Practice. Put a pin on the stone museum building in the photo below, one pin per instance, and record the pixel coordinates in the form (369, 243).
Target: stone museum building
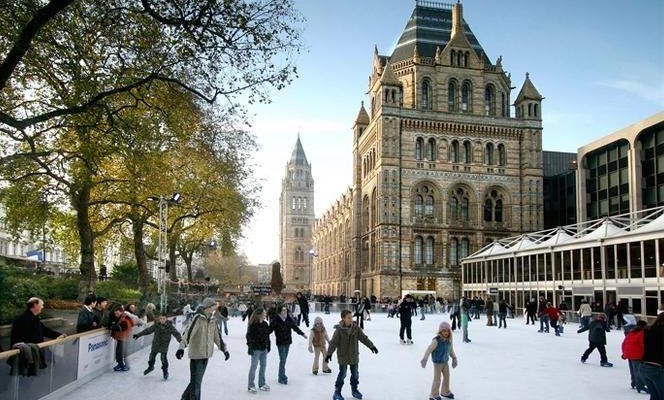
(442, 165)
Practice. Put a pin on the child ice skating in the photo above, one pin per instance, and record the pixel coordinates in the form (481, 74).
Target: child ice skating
(597, 339)
(163, 329)
(441, 350)
(317, 340)
(346, 337)
(258, 342)
(465, 319)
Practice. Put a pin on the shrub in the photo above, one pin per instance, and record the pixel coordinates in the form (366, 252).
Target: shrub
(126, 273)
(61, 288)
(117, 291)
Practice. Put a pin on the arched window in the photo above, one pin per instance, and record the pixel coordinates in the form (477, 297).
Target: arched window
(465, 59)
(452, 57)
(452, 96)
(428, 251)
(426, 94)
(454, 208)
(465, 247)
(465, 210)
(431, 149)
(459, 58)
(502, 157)
(535, 110)
(488, 210)
(489, 99)
(418, 250)
(293, 203)
(530, 110)
(503, 105)
(418, 148)
(467, 153)
(454, 248)
(428, 206)
(419, 201)
(454, 152)
(488, 154)
(499, 211)
(465, 97)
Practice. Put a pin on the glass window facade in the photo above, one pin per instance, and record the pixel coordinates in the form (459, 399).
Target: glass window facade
(607, 181)
(652, 166)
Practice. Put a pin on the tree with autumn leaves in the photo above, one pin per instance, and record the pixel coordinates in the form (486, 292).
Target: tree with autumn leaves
(106, 103)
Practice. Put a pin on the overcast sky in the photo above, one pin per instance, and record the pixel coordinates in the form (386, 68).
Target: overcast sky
(599, 65)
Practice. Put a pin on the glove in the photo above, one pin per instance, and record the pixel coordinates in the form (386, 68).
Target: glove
(227, 355)
(454, 363)
(311, 349)
(134, 336)
(374, 350)
(179, 354)
(423, 363)
(328, 358)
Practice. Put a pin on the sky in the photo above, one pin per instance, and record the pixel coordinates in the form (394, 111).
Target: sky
(599, 65)
(493, 366)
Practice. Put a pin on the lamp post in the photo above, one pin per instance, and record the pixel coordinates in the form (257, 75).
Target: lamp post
(162, 247)
(312, 254)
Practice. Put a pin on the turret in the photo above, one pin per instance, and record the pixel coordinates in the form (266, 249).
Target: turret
(529, 101)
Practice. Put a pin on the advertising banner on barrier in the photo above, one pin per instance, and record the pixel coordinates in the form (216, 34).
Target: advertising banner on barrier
(95, 352)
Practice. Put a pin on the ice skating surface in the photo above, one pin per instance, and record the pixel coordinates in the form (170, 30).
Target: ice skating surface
(517, 362)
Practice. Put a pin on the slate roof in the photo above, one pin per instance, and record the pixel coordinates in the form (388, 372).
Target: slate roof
(298, 157)
(429, 27)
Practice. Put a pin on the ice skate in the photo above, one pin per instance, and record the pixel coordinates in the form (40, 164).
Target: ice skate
(606, 364)
(149, 369)
(337, 395)
(356, 394)
(265, 388)
(252, 389)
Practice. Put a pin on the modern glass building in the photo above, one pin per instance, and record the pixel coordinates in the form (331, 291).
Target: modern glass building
(616, 250)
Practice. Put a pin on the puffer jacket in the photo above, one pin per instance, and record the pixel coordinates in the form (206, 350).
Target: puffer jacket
(596, 331)
(632, 345)
(162, 335)
(201, 335)
(346, 341)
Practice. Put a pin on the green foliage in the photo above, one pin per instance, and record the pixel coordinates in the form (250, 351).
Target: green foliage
(65, 288)
(118, 291)
(126, 273)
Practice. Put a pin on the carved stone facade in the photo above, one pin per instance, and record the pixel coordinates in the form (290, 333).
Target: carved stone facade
(296, 218)
(441, 167)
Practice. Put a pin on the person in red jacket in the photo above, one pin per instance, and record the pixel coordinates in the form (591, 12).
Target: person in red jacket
(632, 351)
(121, 331)
(554, 317)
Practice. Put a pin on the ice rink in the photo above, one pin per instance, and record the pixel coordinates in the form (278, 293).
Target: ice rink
(517, 362)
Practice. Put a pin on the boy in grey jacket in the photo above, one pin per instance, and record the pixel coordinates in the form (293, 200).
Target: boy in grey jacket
(345, 339)
(163, 329)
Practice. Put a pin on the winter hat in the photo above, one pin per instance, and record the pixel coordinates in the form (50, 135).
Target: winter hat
(208, 302)
(444, 325)
(629, 319)
(318, 320)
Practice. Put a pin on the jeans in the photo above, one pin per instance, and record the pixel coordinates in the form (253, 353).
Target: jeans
(196, 372)
(530, 317)
(585, 321)
(257, 356)
(405, 326)
(354, 376)
(635, 374)
(283, 355)
(422, 312)
(164, 359)
(544, 323)
(120, 352)
(501, 321)
(599, 347)
(464, 328)
(304, 316)
(653, 377)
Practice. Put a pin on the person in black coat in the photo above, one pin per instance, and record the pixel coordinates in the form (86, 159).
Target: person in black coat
(258, 343)
(28, 328)
(597, 339)
(86, 318)
(405, 317)
(282, 326)
(531, 311)
(304, 309)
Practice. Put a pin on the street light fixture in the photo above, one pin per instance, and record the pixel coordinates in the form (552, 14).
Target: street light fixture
(162, 244)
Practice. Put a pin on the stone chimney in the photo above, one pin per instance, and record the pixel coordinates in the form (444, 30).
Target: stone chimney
(457, 19)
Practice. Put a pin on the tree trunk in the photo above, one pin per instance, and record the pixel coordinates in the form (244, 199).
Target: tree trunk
(81, 203)
(138, 225)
